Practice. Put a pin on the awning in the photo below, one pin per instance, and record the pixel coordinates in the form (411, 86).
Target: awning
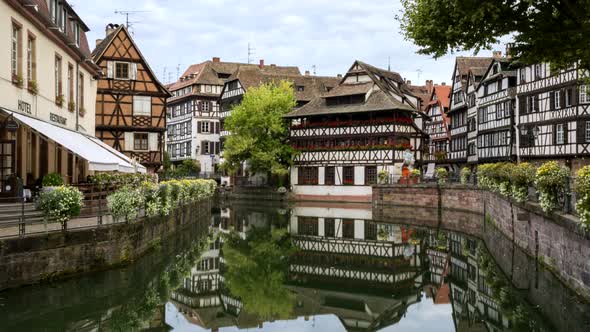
(99, 155)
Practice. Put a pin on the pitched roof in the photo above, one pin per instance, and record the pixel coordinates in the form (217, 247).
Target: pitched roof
(443, 94)
(102, 46)
(422, 92)
(466, 63)
(217, 72)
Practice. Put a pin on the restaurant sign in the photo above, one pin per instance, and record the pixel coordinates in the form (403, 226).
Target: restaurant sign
(57, 119)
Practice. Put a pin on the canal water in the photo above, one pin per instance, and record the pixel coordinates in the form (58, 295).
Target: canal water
(312, 267)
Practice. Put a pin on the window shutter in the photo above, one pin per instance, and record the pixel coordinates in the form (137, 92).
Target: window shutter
(128, 141)
(581, 132)
(133, 73)
(110, 69)
(575, 95)
(562, 97)
(211, 147)
(217, 127)
(522, 105)
(198, 126)
(537, 104)
(203, 146)
(552, 100)
(153, 141)
(216, 147)
(554, 134)
(565, 133)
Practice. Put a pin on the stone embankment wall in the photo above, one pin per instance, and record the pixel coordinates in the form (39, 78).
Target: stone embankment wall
(555, 240)
(59, 255)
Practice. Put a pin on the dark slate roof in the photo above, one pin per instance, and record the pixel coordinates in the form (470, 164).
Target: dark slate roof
(102, 46)
(464, 64)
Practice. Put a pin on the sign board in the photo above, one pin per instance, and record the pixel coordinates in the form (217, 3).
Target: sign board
(57, 119)
(11, 125)
(24, 107)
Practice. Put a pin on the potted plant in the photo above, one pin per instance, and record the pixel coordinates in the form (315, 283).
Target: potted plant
(415, 175)
(82, 111)
(442, 175)
(71, 106)
(33, 87)
(383, 177)
(465, 175)
(51, 181)
(59, 100)
(61, 204)
(18, 80)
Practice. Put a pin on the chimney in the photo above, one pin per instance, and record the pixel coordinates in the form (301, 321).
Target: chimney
(509, 47)
(216, 59)
(429, 86)
(111, 28)
(307, 73)
(443, 83)
(261, 65)
(408, 82)
(273, 65)
(497, 54)
(339, 75)
(98, 41)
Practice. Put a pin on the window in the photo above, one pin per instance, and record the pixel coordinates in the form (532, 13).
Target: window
(300, 88)
(31, 62)
(522, 75)
(122, 70)
(81, 94)
(370, 175)
(559, 134)
(76, 32)
(205, 147)
(584, 94)
(587, 131)
(140, 141)
(569, 96)
(537, 71)
(348, 228)
(556, 100)
(205, 126)
(15, 54)
(532, 104)
(70, 96)
(307, 226)
(142, 105)
(348, 175)
(308, 175)
(58, 78)
(329, 227)
(330, 175)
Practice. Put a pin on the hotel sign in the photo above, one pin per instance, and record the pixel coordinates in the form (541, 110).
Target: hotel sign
(57, 119)
(24, 107)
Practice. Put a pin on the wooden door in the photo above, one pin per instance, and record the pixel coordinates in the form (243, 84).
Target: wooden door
(7, 168)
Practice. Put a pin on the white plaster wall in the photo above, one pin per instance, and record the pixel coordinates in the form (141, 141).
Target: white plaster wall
(294, 175)
(359, 175)
(44, 102)
(333, 190)
(321, 175)
(333, 213)
(359, 229)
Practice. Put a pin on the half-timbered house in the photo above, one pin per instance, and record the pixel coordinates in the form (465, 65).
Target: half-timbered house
(553, 114)
(347, 136)
(496, 95)
(131, 102)
(437, 127)
(458, 108)
(47, 104)
(193, 111)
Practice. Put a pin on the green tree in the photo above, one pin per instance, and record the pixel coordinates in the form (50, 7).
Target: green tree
(555, 31)
(259, 134)
(167, 163)
(257, 270)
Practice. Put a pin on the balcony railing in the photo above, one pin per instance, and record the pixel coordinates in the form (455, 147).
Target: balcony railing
(352, 123)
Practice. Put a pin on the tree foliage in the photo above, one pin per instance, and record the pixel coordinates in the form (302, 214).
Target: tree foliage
(258, 131)
(555, 31)
(257, 269)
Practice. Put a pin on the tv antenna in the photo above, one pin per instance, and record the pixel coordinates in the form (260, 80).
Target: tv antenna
(250, 53)
(128, 13)
(419, 71)
(314, 67)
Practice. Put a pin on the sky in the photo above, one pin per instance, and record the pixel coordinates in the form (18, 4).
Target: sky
(327, 35)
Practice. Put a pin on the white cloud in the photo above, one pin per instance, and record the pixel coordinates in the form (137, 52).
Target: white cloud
(328, 34)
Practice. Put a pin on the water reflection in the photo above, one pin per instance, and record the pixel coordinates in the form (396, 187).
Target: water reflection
(322, 267)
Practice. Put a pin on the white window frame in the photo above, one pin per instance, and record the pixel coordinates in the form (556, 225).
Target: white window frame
(559, 134)
(587, 131)
(557, 99)
(532, 104)
(205, 127)
(14, 52)
(584, 94)
(142, 105)
(568, 102)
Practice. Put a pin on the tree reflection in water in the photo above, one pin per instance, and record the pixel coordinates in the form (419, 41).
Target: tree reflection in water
(256, 271)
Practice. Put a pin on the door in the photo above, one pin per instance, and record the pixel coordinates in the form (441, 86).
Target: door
(7, 168)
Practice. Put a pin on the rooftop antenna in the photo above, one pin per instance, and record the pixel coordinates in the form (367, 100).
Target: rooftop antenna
(128, 13)
(314, 67)
(419, 71)
(389, 63)
(178, 71)
(164, 74)
(250, 53)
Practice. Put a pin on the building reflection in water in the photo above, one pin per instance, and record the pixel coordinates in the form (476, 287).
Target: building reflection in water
(365, 273)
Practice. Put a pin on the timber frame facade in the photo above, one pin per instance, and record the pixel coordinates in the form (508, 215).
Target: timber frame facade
(365, 125)
(437, 127)
(553, 114)
(131, 102)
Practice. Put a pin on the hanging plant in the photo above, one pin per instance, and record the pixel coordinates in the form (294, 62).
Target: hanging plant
(550, 181)
(71, 106)
(383, 177)
(18, 80)
(59, 100)
(33, 87)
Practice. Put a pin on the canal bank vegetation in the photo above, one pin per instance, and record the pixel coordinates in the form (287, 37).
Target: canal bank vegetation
(158, 199)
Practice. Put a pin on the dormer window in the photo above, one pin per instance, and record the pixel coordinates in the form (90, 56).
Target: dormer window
(76, 32)
(300, 88)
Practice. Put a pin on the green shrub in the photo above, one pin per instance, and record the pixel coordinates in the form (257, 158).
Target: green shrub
(442, 175)
(53, 180)
(123, 179)
(415, 173)
(61, 204)
(465, 174)
(150, 191)
(550, 181)
(383, 177)
(521, 178)
(495, 177)
(582, 189)
(125, 203)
